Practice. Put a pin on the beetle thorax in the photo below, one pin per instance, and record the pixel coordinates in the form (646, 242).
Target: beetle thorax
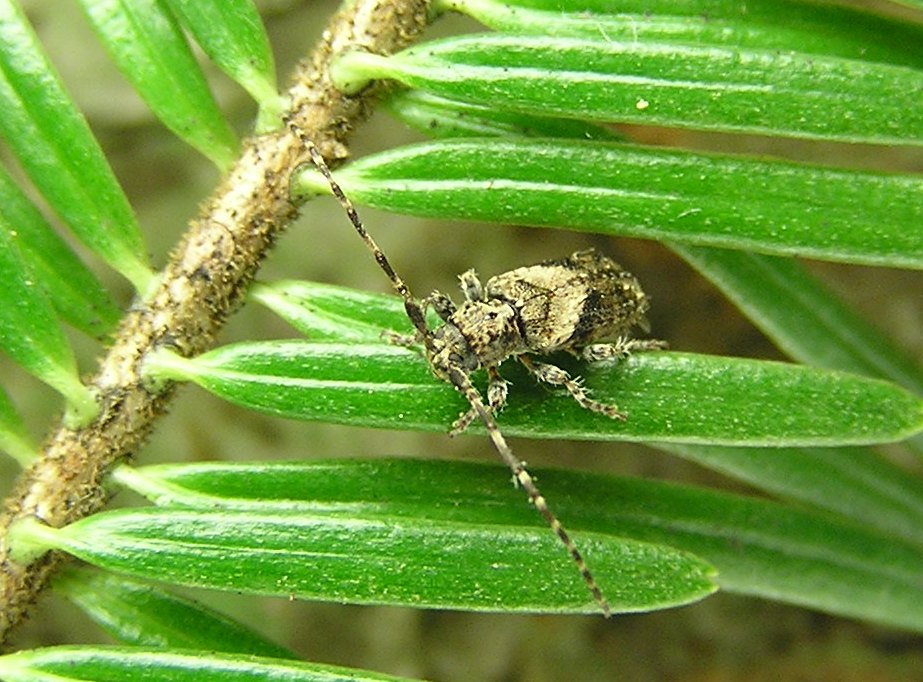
(478, 334)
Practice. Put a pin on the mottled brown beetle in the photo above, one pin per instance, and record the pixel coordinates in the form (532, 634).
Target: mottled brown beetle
(558, 305)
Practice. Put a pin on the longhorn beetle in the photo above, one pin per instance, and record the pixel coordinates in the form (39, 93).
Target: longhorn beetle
(558, 305)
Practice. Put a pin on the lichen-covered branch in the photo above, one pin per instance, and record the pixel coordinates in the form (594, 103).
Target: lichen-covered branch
(205, 280)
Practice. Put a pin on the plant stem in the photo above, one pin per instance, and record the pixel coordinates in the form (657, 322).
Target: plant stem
(205, 280)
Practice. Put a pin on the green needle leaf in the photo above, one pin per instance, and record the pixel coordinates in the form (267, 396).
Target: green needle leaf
(30, 334)
(767, 25)
(233, 36)
(148, 46)
(672, 397)
(117, 664)
(803, 317)
(669, 84)
(701, 199)
(367, 558)
(438, 117)
(326, 312)
(53, 143)
(760, 548)
(74, 291)
(144, 615)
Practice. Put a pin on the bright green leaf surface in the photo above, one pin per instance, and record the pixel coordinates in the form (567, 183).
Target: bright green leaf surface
(29, 330)
(233, 36)
(709, 200)
(325, 312)
(373, 559)
(803, 317)
(760, 548)
(673, 397)
(114, 664)
(767, 25)
(53, 143)
(444, 118)
(148, 46)
(146, 615)
(74, 291)
(668, 84)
